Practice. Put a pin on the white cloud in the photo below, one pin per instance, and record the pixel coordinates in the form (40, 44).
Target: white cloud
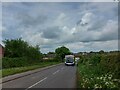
(60, 20)
(58, 1)
(105, 45)
(87, 18)
(35, 38)
(93, 46)
(82, 34)
(54, 24)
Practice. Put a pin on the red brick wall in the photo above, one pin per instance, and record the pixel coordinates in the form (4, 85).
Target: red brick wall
(1, 51)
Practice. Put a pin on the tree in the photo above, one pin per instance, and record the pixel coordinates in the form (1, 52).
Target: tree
(16, 48)
(34, 53)
(62, 51)
(51, 53)
(101, 51)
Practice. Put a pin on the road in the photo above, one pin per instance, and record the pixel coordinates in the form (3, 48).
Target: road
(59, 76)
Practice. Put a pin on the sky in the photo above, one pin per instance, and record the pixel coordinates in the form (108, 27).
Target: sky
(80, 26)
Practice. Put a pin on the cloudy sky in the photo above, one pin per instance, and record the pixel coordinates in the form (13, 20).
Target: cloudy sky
(83, 26)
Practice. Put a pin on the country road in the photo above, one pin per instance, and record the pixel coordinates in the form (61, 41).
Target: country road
(59, 76)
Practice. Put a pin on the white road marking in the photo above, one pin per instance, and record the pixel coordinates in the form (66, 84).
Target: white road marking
(56, 72)
(36, 83)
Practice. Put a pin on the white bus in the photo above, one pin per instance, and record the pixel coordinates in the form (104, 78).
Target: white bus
(69, 60)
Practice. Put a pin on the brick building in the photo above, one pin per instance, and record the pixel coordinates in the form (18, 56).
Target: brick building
(1, 51)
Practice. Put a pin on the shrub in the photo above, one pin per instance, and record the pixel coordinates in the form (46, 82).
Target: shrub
(99, 70)
(17, 62)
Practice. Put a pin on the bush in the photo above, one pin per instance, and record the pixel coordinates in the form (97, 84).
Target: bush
(111, 63)
(17, 48)
(107, 62)
(99, 70)
(95, 59)
(17, 62)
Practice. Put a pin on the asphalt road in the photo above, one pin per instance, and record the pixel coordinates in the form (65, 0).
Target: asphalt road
(59, 76)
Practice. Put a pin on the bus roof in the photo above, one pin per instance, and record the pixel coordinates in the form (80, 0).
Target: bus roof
(69, 56)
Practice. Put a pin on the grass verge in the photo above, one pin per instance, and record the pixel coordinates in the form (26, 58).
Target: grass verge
(92, 77)
(11, 71)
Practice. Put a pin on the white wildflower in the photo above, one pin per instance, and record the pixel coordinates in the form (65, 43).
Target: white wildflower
(106, 83)
(98, 78)
(96, 86)
(101, 78)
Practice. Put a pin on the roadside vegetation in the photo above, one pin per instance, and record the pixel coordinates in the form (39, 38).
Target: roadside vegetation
(95, 69)
(19, 57)
(15, 70)
(99, 70)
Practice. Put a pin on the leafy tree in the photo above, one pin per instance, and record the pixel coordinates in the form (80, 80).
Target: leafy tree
(62, 51)
(51, 53)
(101, 51)
(34, 53)
(16, 48)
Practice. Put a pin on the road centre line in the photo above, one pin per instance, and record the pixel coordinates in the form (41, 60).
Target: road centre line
(56, 72)
(36, 83)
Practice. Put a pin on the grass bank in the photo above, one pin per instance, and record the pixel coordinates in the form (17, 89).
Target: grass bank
(91, 77)
(96, 72)
(11, 71)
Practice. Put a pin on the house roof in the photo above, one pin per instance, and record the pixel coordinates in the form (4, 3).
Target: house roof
(1, 45)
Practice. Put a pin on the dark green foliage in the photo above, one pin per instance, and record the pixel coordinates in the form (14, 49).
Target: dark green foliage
(99, 70)
(15, 48)
(57, 58)
(101, 51)
(51, 53)
(105, 62)
(95, 59)
(19, 53)
(17, 62)
(14, 62)
(111, 63)
(18, 48)
(33, 53)
(62, 51)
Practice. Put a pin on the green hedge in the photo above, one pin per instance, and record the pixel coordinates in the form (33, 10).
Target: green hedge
(107, 62)
(99, 70)
(21, 62)
(111, 63)
(16, 62)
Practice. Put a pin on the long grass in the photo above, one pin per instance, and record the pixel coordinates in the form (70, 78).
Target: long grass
(11, 71)
(92, 77)
(95, 72)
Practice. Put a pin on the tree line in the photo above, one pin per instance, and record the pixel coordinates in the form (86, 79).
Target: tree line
(18, 52)
(19, 48)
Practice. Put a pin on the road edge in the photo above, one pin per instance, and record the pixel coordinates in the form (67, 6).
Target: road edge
(27, 73)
